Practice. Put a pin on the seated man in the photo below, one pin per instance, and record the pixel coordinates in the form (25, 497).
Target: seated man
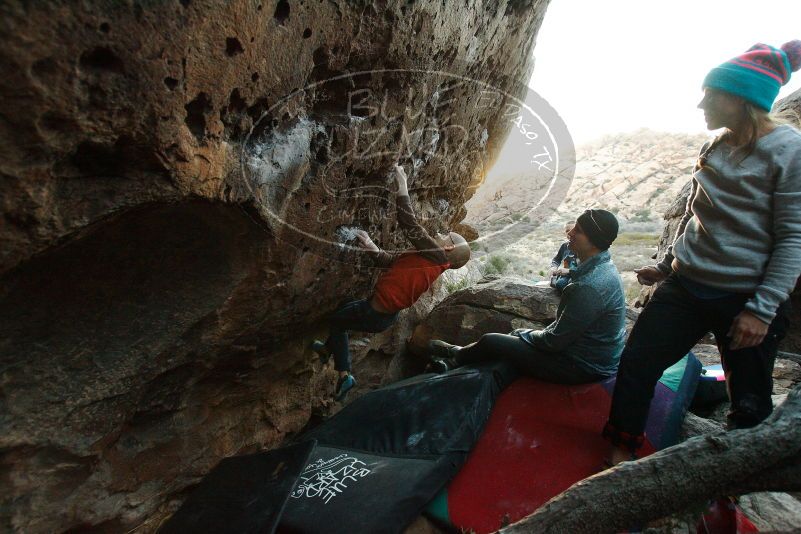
(584, 343)
(563, 262)
(409, 274)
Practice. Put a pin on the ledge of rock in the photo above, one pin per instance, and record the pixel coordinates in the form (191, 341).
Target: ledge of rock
(176, 180)
(492, 305)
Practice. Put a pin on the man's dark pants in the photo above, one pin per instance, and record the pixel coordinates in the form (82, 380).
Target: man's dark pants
(548, 366)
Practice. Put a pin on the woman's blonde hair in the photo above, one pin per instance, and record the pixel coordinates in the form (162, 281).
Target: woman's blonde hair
(754, 118)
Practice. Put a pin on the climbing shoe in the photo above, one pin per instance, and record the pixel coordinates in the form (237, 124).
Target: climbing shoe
(344, 384)
(442, 365)
(321, 350)
(440, 349)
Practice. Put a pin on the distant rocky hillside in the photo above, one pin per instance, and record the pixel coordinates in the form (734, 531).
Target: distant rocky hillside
(637, 175)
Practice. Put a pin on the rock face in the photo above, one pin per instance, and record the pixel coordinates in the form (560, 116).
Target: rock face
(178, 182)
(492, 305)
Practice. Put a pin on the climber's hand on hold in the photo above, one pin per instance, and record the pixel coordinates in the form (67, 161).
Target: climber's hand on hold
(365, 242)
(402, 181)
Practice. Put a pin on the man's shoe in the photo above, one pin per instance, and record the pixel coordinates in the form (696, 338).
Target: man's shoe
(440, 349)
(344, 384)
(321, 350)
(442, 365)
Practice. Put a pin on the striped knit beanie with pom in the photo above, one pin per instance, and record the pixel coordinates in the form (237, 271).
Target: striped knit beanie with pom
(758, 74)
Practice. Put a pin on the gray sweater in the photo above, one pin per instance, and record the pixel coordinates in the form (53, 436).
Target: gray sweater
(741, 231)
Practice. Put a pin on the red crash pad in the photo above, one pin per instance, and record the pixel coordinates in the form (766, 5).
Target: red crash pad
(541, 438)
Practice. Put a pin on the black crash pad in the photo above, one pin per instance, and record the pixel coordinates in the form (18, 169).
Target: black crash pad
(242, 494)
(371, 468)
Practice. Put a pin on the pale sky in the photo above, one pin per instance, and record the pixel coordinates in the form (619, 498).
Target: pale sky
(618, 65)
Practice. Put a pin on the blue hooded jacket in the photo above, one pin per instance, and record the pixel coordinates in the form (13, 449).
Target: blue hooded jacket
(590, 325)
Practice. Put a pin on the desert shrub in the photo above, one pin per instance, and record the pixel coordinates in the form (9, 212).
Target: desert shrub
(496, 264)
(636, 238)
(643, 215)
(457, 285)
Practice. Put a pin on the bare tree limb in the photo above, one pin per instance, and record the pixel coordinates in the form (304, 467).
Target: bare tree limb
(784, 476)
(766, 457)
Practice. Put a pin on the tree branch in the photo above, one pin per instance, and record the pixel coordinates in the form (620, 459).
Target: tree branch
(766, 457)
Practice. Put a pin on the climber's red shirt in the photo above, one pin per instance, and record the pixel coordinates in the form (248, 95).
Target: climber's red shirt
(409, 277)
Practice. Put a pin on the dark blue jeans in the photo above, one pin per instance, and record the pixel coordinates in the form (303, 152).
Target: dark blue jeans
(673, 321)
(550, 367)
(355, 315)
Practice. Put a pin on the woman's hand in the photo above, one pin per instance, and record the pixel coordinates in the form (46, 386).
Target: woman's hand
(365, 242)
(401, 180)
(747, 330)
(649, 275)
(560, 271)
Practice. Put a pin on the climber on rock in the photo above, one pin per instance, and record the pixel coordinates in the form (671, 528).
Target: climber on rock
(409, 274)
(584, 343)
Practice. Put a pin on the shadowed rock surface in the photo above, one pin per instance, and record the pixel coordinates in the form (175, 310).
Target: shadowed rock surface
(491, 305)
(173, 205)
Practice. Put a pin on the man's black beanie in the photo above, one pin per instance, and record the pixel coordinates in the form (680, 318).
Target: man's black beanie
(600, 226)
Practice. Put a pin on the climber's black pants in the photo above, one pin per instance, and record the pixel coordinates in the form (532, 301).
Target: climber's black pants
(355, 315)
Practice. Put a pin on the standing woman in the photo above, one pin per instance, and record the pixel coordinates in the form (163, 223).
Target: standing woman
(736, 256)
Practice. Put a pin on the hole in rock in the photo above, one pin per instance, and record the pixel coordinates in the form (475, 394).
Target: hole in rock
(282, 11)
(236, 104)
(307, 33)
(120, 159)
(196, 115)
(261, 125)
(101, 58)
(320, 56)
(105, 28)
(233, 46)
(231, 115)
(171, 83)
